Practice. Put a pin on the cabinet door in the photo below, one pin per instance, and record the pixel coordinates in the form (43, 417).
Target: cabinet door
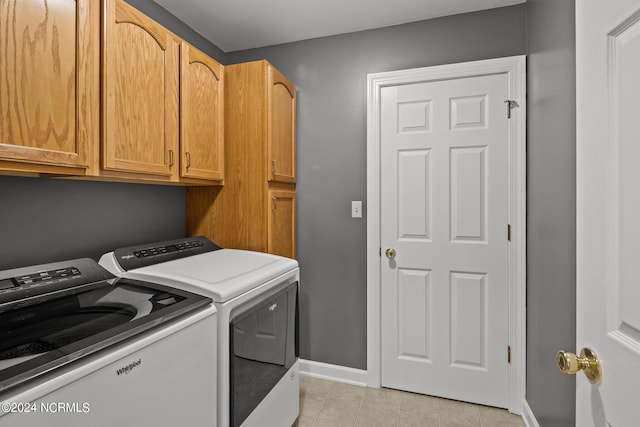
(49, 81)
(201, 115)
(281, 239)
(281, 133)
(140, 93)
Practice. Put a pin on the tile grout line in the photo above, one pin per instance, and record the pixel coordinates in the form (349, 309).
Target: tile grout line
(324, 400)
(359, 410)
(316, 418)
(326, 397)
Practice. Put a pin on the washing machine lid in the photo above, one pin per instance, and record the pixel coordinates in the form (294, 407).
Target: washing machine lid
(221, 275)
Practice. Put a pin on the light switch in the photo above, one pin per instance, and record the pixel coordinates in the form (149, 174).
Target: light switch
(356, 209)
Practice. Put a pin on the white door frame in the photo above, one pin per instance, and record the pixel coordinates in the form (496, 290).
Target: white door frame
(515, 68)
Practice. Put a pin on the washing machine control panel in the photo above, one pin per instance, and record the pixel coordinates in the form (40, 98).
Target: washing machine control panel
(26, 285)
(154, 253)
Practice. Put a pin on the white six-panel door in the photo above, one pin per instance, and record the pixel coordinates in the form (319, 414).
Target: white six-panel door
(608, 209)
(444, 210)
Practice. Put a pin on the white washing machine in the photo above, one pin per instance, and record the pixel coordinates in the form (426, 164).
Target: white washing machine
(80, 347)
(256, 296)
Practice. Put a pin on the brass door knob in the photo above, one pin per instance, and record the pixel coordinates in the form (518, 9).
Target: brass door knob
(390, 253)
(588, 362)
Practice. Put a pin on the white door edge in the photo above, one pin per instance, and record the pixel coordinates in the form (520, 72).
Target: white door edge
(515, 68)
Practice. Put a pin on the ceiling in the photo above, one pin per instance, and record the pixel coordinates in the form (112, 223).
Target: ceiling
(243, 24)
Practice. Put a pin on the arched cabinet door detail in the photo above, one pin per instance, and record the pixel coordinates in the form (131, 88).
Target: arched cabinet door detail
(201, 115)
(281, 136)
(140, 94)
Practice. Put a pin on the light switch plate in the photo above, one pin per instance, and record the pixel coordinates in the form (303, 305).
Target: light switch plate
(356, 209)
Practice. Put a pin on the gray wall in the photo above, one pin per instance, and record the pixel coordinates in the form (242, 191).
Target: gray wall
(330, 74)
(43, 220)
(179, 28)
(551, 208)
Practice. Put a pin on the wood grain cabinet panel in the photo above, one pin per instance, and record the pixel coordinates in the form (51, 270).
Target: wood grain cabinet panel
(156, 115)
(201, 115)
(255, 209)
(281, 127)
(282, 223)
(140, 93)
(49, 85)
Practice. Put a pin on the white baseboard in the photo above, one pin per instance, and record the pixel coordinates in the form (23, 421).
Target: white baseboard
(338, 373)
(528, 417)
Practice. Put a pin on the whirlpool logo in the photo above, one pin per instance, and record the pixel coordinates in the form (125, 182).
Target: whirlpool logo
(130, 367)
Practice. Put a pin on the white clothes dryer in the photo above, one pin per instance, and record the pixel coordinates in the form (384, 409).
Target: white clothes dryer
(256, 297)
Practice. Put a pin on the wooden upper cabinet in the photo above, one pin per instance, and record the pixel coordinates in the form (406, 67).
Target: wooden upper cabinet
(140, 94)
(281, 123)
(156, 114)
(201, 115)
(49, 84)
(256, 208)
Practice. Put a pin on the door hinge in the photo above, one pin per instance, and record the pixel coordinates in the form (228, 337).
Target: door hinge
(509, 232)
(510, 104)
(509, 354)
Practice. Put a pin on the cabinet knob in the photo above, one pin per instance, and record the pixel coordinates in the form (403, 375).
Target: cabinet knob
(170, 158)
(273, 167)
(188, 160)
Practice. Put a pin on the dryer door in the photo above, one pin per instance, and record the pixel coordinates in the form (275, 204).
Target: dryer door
(263, 346)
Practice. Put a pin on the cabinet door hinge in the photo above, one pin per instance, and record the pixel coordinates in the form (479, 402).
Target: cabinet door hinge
(509, 355)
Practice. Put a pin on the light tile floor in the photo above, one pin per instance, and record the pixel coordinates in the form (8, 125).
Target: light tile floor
(326, 403)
